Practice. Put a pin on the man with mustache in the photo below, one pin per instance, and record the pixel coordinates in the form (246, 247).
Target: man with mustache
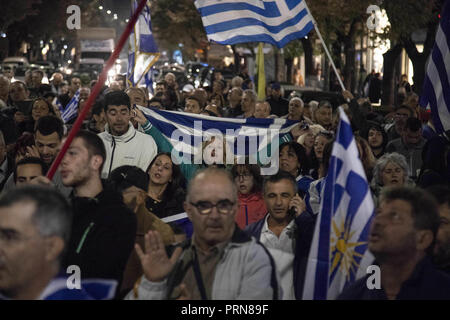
(220, 262)
(401, 236)
(124, 144)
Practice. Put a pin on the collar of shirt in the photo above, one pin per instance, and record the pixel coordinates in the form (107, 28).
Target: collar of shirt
(288, 229)
(218, 248)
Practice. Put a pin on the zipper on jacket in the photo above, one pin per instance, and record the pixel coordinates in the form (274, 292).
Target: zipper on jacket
(246, 216)
(83, 238)
(112, 155)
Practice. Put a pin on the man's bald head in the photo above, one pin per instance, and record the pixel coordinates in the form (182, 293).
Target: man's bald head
(262, 110)
(221, 176)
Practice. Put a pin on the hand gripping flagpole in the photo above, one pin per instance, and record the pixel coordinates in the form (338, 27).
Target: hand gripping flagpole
(316, 27)
(96, 90)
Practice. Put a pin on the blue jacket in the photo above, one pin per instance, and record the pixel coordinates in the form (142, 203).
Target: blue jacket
(304, 224)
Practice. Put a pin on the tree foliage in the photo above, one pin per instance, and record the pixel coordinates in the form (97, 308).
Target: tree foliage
(178, 21)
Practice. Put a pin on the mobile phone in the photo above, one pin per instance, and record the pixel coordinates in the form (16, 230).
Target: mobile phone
(292, 211)
(304, 125)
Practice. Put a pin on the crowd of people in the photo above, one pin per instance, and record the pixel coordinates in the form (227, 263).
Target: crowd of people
(249, 235)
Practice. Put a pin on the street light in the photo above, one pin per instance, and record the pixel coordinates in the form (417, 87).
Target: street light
(100, 7)
(108, 12)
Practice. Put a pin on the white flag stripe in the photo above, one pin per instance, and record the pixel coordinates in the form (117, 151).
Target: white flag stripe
(239, 14)
(222, 36)
(433, 74)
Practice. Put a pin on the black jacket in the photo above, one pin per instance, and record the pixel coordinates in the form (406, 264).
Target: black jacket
(426, 283)
(103, 235)
(278, 107)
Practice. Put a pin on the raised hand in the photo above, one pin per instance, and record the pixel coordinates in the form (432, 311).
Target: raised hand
(139, 117)
(155, 262)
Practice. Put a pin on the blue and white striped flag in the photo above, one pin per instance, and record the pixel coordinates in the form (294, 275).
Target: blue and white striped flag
(257, 139)
(143, 51)
(272, 21)
(436, 88)
(338, 254)
(58, 105)
(71, 110)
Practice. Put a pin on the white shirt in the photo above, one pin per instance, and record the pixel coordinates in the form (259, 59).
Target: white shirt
(282, 250)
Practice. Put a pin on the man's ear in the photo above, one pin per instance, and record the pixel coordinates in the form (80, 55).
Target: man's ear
(96, 162)
(424, 239)
(55, 246)
(187, 209)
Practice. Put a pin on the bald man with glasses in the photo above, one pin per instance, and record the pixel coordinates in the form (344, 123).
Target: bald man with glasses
(220, 262)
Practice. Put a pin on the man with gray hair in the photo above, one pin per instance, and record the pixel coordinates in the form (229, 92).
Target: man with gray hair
(248, 104)
(221, 262)
(35, 223)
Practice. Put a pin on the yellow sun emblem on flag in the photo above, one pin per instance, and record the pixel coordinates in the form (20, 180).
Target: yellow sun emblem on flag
(343, 251)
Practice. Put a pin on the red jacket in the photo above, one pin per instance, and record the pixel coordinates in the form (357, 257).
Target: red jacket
(251, 209)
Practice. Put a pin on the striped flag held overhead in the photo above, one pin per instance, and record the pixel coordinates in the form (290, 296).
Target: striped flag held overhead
(272, 21)
(436, 88)
(338, 254)
(143, 51)
(71, 110)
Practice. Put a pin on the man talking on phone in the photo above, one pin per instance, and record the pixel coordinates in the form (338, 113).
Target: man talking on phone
(286, 231)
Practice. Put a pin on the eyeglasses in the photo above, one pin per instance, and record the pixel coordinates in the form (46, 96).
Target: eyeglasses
(205, 207)
(243, 176)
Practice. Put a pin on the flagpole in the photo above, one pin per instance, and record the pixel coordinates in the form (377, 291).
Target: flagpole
(316, 27)
(96, 90)
(261, 73)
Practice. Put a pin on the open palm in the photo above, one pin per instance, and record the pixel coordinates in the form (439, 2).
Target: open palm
(155, 262)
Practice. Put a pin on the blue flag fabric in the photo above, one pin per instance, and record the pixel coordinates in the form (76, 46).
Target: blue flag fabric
(436, 87)
(272, 21)
(143, 51)
(71, 110)
(339, 254)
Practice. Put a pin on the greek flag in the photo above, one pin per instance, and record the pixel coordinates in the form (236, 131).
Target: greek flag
(436, 88)
(257, 139)
(143, 51)
(71, 110)
(338, 254)
(272, 21)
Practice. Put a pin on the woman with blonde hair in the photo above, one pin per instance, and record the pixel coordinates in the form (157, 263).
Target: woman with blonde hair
(307, 139)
